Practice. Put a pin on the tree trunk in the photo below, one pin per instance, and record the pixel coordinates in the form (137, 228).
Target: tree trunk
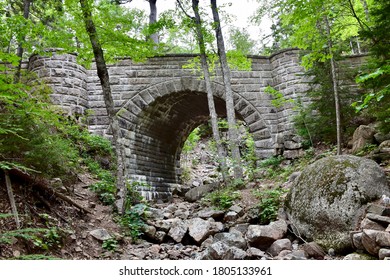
(366, 11)
(153, 19)
(11, 197)
(210, 95)
(20, 50)
(233, 132)
(335, 89)
(109, 103)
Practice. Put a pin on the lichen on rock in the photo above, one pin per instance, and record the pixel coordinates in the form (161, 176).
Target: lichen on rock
(329, 198)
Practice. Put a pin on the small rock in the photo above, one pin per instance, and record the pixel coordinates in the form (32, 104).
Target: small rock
(253, 252)
(384, 253)
(198, 192)
(159, 236)
(178, 230)
(331, 252)
(357, 240)
(230, 216)
(154, 213)
(100, 234)
(278, 246)
(232, 239)
(313, 250)
(241, 228)
(181, 214)
(16, 253)
(388, 229)
(237, 209)
(369, 241)
(363, 135)
(211, 213)
(369, 224)
(173, 254)
(262, 237)
(78, 249)
(295, 255)
(207, 242)
(200, 229)
(235, 253)
(73, 237)
(358, 256)
(155, 249)
(195, 184)
(149, 231)
(378, 210)
(383, 239)
(284, 253)
(378, 218)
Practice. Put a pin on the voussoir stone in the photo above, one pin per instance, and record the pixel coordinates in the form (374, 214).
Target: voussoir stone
(262, 236)
(329, 198)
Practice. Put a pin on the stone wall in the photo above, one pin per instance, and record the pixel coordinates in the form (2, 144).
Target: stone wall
(159, 103)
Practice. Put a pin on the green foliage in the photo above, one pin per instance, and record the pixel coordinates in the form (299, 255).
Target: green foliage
(240, 41)
(30, 130)
(36, 257)
(270, 202)
(278, 100)
(248, 154)
(191, 141)
(274, 161)
(110, 244)
(315, 121)
(41, 238)
(374, 79)
(367, 149)
(132, 221)
(133, 195)
(223, 198)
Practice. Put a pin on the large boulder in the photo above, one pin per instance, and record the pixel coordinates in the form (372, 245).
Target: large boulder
(362, 136)
(329, 198)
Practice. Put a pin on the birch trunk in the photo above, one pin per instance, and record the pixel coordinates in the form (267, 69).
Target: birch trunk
(210, 95)
(233, 131)
(335, 89)
(104, 77)
(20, 50)
(153, 19)
(11, 197)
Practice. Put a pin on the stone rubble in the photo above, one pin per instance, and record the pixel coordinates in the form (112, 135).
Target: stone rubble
(204, 234)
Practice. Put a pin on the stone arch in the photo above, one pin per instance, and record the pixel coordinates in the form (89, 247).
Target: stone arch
(156, 121)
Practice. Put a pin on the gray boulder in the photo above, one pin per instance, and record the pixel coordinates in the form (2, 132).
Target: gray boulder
(232, 239)
(198, 192)
(279, 246)
(200, 229)
(362, 136)
(329, 198)
(262, 236)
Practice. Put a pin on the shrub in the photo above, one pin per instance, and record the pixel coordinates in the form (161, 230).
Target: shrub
(224, 198)
(270, 201)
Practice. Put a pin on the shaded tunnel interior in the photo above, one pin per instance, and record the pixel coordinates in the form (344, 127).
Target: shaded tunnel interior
(161, 130)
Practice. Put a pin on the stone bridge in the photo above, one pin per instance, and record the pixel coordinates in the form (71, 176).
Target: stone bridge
(159, 103)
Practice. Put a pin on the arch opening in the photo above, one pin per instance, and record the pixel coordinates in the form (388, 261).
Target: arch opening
(154, 129)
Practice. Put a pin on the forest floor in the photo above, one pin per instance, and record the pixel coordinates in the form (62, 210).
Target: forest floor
(53, 228)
